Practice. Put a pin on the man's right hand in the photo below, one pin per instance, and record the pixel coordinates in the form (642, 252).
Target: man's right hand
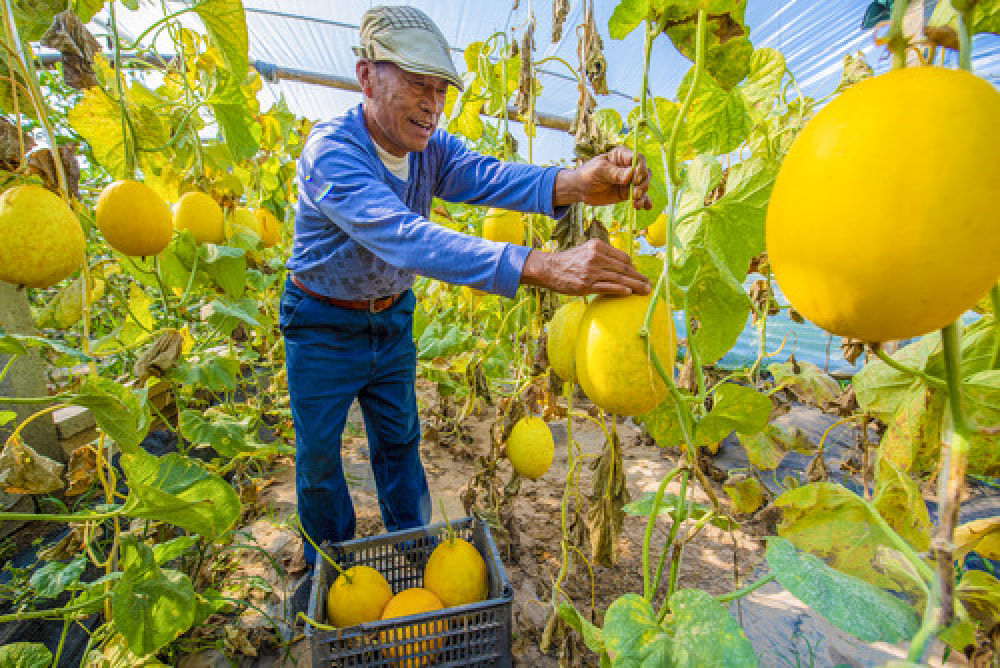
(592, 267)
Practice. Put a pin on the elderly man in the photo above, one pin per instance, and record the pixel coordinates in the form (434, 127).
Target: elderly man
(366, 180)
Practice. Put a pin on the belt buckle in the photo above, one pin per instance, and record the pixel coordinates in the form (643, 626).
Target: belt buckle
(372, 306)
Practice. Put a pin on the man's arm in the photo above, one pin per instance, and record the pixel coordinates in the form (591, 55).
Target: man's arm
(594, 266)
(605, 179)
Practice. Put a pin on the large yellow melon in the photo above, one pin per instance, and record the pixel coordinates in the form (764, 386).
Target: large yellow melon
(612, 364)
(202, 215)
(41, 241)
(883, 220)
(134, 219)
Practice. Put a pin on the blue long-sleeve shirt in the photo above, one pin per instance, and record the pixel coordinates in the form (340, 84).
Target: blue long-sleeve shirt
(363, 233)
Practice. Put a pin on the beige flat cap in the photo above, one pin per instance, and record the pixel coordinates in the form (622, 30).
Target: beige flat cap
(409, 38)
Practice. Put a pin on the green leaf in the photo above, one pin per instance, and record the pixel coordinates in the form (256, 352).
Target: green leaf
(86, 9)
(763, 83)
(985, 16)
(436, 341)
(899, 501)
(207, 603)
(25, 655)
(226, 314)
(626, 17)
(173, 548)
(121, 413)
(216, 374)
(732, 227)
(228, 435)
(98, 120)
(705, 634)
(52, 579)
(744, 210)
(981, 401)
(852, 605)
(665, 115)
(880, 389)
(716, 301)
(225, 22)
(735, 408)
(717, 121)
(768, 448)
(593, 636)
(663, 424)
(632, 635)
(227, 266)
(150, 606)
(33, 17)
(978, 342)
(6, 417)
(729, 63)
(701, 175)
(829, 520)
(980, 594)
(746, 494)
(176, 262)
(809, 383)
(912, 439)
(670, 504)
(649, 266)
(178, 490)
(236, 121)
(20, 344)
(652, 151)
(724, 21)
(91, 597)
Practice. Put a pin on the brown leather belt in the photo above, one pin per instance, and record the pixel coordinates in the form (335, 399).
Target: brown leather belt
(370, 305)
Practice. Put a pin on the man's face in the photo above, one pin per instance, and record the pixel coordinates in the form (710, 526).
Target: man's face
(401, 108)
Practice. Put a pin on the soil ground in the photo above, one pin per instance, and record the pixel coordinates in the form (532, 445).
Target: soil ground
(717, 561)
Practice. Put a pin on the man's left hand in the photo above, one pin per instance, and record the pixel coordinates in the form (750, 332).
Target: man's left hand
(605, 179)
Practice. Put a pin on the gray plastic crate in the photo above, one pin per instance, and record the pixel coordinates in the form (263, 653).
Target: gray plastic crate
(476, 634)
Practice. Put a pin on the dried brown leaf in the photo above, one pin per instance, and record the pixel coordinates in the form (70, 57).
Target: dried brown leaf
(40, 162)
(69, 36)
(161, 355)
(14, 144)
(24, 471)
(81, 470)
(560, 9)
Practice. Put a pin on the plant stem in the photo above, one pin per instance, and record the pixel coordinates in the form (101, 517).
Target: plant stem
(695, 80)
(927, 379)
(951, 478)
(896, 39)
(14, 437)
(648, 586)
(698, 371)
(55, 612)
(323, 554)
(928, 627)
(749, 589)
(41, 517)
(670, 537)
(965, 40)
(451, 530)
(36, 400)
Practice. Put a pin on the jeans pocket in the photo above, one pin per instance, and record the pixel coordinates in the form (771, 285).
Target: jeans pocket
(290, 304)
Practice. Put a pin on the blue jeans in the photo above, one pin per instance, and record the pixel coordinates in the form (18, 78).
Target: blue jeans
(333, 355)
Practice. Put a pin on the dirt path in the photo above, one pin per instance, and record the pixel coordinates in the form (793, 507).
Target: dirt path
(774, 621)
